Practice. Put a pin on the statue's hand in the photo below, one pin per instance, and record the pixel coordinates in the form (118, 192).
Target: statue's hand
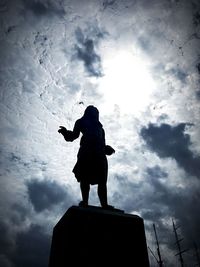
(62, 129)
(109, 150)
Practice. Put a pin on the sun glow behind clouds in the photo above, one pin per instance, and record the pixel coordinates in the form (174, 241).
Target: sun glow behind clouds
(126, 83)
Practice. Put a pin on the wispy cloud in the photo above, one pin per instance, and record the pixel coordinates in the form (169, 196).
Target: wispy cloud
(85, 51)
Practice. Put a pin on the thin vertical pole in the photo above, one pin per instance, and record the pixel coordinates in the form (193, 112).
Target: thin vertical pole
(180, 252)
(160, 262)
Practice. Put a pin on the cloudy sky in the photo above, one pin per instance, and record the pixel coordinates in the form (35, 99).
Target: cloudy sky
(138, 62)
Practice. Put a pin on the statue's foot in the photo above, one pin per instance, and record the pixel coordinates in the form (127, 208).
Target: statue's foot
(83, 204)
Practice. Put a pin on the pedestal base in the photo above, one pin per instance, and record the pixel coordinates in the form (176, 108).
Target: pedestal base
(94, 237)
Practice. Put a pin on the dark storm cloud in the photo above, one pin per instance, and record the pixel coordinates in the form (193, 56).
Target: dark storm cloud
(19, 214)
(4, 237)
(156, 172)
(163, 195)
(171, 141)
(8, 224)
(85, 51)
(198, 68)
(9, 29)
(196, 18)
(198, 95)
(146, 196)
(108, 3)
(32, 248)
(171, 202)
(43, 8)
(157, 201)
(3, 6)
(178, 73)
(45, 194)
(196, 13)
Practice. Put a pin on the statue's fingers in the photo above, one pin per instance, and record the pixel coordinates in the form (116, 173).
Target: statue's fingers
(62, 128)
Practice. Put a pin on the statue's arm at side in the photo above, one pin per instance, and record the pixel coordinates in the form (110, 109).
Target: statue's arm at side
(70, 135)
(108, 149)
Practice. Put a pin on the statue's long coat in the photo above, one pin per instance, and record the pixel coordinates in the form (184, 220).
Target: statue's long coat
(91, 165)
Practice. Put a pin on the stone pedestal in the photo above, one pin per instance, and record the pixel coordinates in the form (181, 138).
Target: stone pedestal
(94, 237)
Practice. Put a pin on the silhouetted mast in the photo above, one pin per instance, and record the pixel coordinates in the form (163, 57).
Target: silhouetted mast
(197, 255)
(153, 255)
(180, 252)
(159, 260)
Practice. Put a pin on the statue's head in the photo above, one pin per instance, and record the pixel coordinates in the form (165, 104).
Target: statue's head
(91, 112)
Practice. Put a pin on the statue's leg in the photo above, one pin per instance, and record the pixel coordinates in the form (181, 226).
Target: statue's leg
(102, 193)
(85, 188)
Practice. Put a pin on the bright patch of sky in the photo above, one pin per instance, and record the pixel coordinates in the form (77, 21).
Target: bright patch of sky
(126, 83)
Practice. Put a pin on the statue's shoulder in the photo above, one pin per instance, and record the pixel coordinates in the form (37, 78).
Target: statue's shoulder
(78, 122)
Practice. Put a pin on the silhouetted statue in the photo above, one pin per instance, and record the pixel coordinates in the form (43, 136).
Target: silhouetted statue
(92, 165)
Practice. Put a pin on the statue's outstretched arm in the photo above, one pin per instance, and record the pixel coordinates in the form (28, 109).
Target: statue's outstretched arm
(70, 135)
